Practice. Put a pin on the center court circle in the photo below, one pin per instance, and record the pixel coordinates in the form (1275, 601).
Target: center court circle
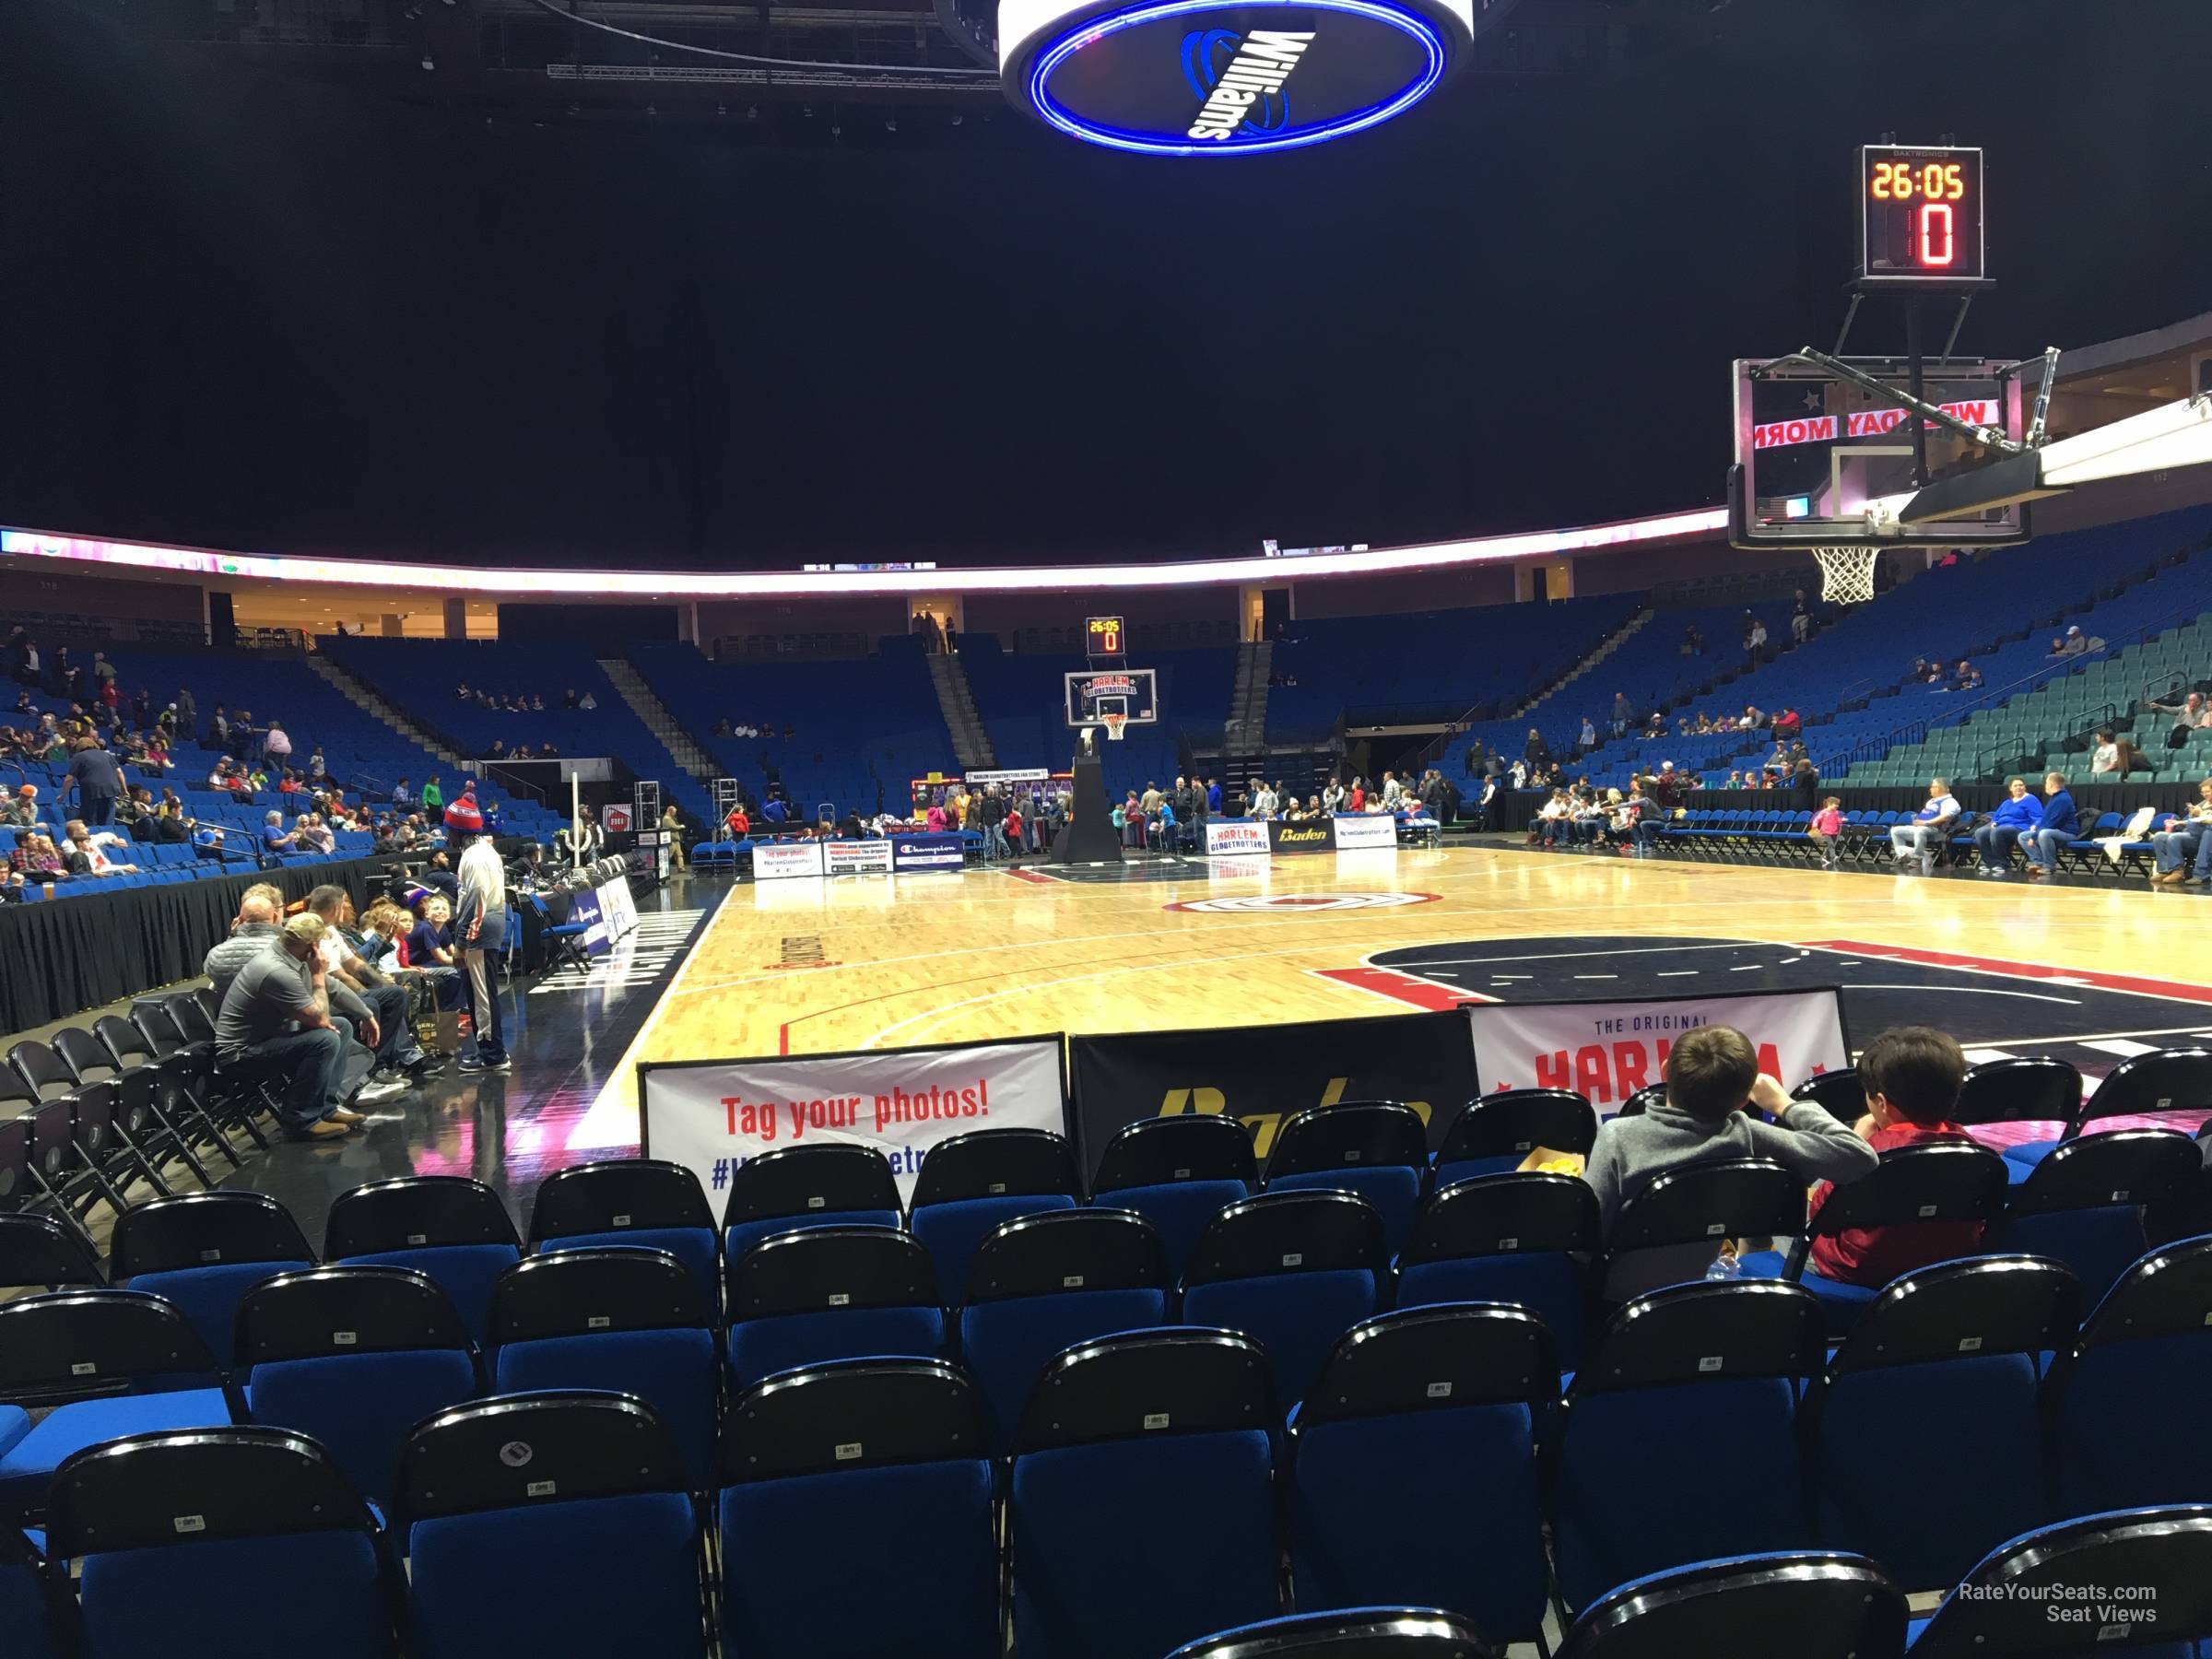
(1297, 903)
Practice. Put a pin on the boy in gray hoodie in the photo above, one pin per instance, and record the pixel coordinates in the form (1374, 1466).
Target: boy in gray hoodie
(1711, 1074)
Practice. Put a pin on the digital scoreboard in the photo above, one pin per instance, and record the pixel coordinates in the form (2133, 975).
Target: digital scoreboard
(1920, 217)
(1104, 637)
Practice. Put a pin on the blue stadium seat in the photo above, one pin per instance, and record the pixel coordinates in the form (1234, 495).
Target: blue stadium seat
(1044, 1283)
(1414, 1478)
(108, 1363)
(558, 1525)
(260, 1520)
(835, 1452)
(1494, 1133)
(2004, 1605)
(204, 1250)
(1671, 1229)
(355, 1357)
(1525, 1239)
(644, 1202)
(39, 1252)
(827, 1293)
(1362, 1634)
(453, 1231)
(2147, 1344)
(1294, 1270)
(27, 1600)
(2085, 1203)
(623, 1319)
(1808, 1605)
(830, 1184)
(2168, 1080)
(1682, 1434)
(1962, 1342)
(1374, 1149)
(1932, 1201)
(1176, 1171)
(971, 1183)
(1131, 1450)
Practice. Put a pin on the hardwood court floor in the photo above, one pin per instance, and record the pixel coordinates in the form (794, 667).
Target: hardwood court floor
(804, 966)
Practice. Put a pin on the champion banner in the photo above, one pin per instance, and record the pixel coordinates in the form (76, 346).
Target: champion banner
(1260, 1074)
(711, 1115)
(1610, 1050)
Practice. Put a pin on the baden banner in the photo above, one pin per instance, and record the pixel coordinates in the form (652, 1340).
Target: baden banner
(1261, 1074)
(1610, 1050)
(711, 1115)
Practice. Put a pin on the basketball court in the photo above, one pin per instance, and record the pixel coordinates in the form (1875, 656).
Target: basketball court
(895, 961)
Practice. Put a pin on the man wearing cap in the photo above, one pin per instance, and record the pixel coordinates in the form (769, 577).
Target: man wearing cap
(275, 1026)
(480, 929)
(21, 810)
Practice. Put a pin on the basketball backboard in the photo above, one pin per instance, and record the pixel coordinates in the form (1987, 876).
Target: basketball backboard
(1823, 461)
(1096, 692)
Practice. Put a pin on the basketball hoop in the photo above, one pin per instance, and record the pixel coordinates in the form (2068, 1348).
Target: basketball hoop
(1847, 573)
(1113, 724)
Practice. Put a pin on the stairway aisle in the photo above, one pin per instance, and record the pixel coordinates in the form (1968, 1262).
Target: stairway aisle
(956, 700)
(363, 698)
(650, 709)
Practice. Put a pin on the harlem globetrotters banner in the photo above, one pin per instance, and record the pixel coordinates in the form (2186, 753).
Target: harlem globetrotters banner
(711, 1115)
(1610, 1050)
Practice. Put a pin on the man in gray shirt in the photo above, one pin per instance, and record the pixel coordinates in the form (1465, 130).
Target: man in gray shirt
(275, 1026)
(1711, 1075)
(260, 909)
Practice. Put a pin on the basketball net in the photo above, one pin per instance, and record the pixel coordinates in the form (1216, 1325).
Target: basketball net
(1847, 573)
(1113, 724)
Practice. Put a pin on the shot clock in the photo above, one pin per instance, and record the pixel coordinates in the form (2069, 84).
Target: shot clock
(1104, 638)
(1920, 217)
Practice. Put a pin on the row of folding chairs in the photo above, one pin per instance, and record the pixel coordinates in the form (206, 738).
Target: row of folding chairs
(122, 1110)
(1782, 837)
(1432, 1467)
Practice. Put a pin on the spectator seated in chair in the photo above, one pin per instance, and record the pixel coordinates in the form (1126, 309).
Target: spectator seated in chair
(2017, 817)
(1930, 829)
(276, 1027)
(1912, 1077)
(1713, 1077)
(87, 853)
(377, 1007)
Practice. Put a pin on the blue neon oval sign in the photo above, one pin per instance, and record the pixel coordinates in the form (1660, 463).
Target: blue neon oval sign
(1198, 77)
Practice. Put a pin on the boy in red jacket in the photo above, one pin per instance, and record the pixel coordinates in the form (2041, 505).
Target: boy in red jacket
(1911, 1077)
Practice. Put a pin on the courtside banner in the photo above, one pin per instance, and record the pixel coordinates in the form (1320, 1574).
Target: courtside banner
(1354, 833)
(619, 907)
(1235, 837)
(927, 852)
(1315, 835)
(711, 1115)
(1260, 1074)
(858, 858)
(786, 858)
(1610, 1050)
(608, 912)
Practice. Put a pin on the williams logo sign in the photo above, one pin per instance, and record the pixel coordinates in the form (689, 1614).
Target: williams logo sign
(1240, 80)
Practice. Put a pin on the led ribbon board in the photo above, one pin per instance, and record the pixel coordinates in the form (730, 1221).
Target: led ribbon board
(1201, 78)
